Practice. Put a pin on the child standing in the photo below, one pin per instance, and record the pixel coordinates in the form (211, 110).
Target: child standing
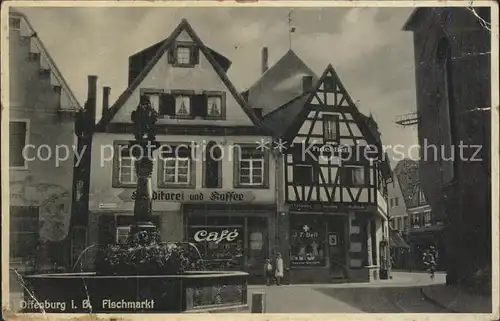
(268, 271)
(278, 272)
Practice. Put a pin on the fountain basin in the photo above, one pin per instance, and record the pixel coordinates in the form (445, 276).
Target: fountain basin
(197, 291)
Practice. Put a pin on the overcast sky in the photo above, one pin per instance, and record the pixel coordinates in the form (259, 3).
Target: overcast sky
(366, 46)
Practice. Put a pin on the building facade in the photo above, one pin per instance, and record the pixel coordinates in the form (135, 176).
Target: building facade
(399, 224)
(212, 186)
(333, 218)
(453, 82)
(42, 112)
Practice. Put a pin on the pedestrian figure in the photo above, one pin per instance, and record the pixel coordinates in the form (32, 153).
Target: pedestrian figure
(268, 271)
(278, 272)
(429, 262)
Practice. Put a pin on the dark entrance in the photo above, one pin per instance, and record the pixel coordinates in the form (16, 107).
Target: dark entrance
(336, 226)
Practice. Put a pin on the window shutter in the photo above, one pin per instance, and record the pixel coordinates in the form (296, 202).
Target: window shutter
(167, 104)
(107, 229)
(199, 106)
(195, 55)
(171, 53)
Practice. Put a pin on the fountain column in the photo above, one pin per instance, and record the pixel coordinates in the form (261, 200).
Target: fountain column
(142, 148)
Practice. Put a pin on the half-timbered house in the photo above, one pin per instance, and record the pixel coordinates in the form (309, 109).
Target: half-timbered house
(335, 185)
(209, 177)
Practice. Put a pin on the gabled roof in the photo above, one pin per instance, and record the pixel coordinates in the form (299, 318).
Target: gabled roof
(407, 173)
(280, 84)
(183, 26)
(48, 58)
(421, 13)
(367, 125)
(280, 119)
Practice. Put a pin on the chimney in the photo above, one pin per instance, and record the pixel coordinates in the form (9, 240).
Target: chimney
(258, 112)
(90, 105)
(105, 99)
(264, 59)
(307, 84)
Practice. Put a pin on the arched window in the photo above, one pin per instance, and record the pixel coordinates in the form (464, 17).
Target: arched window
(445, 106)
(213, 168)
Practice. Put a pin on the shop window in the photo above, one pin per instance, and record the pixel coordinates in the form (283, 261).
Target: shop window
(24, 233)
(331, 128)
(307, 242)
(354, 175)
(124, 173)
(18, 136)
(251, 168)
(176, 166)
(213, 166)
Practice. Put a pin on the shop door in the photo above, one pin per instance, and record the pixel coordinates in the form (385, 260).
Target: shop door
(336, 247)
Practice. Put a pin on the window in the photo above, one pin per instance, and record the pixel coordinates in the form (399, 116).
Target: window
(396, 201)
(214, 106)
(251, 169)
(14, 23)
(444, 109)
(405, 223)
(182, 105)
(421, 197)
(427, 218)
(23, 233)
(124, 167)
(354, 175)
(308, 241)
(176, 167)
(415, 220)
(330, 128)
(391, 203)
(18, 131)
(213, 166)
(328, 84)
(183, 55)
(122, 234)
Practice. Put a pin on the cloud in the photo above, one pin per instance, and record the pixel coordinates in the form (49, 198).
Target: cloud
(366, 46)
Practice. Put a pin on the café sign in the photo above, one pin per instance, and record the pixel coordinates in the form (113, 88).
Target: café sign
(193, 196)
(203, 235)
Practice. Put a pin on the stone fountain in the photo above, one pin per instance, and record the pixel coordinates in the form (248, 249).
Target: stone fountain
(145, 275)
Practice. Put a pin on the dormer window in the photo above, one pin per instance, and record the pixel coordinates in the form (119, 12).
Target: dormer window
(14, 23)
(183, 54)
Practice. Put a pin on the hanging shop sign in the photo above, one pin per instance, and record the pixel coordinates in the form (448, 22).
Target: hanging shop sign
(193, 196)
(333, 239)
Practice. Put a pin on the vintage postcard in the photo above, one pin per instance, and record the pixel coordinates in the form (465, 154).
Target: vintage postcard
(289, 160)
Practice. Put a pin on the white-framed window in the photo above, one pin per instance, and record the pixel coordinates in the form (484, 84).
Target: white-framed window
(252, 171)
(183, 55)
(330, 128)
(122, 234)
(214, 106)
(126, 167)
(177, 170)
(182, 105)
(251, 168)
(18, 139)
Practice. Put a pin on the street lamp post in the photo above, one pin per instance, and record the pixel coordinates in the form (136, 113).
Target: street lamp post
(142, 148)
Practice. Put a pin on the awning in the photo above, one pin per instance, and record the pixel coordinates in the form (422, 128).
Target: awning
(395, 240)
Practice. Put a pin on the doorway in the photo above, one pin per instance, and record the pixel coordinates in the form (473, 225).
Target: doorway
(336, 226)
